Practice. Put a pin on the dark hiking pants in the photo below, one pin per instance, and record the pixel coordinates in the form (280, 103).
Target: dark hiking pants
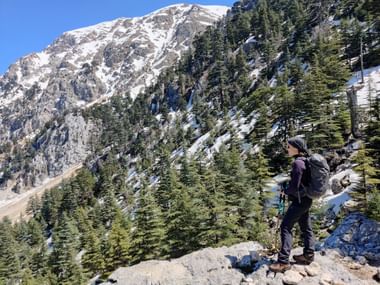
(297, 212)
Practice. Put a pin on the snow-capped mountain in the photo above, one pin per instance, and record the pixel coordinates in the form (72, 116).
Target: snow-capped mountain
(88, 65)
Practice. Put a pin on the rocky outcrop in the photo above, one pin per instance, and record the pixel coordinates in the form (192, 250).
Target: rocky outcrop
(229, 266)
(329, 267)
(65, 145)
(207, 266)
(337, 185)
(356, 237)
(247, 264)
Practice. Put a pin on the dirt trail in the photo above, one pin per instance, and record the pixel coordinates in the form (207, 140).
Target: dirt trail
(16, 207)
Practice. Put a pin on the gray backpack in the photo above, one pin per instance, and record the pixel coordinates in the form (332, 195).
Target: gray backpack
(319, 176)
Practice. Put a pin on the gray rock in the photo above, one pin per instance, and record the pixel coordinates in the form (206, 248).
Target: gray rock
(326, 277)
(313, 269)
(336, 186)
(356, 236)
(337, 282)
(361, 259)
(213, 266)
(292, 277)
(255, 256)
(207, 266)
(300, 269)
(64, 147)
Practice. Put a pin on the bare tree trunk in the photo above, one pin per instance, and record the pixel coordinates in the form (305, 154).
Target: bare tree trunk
(353, 104)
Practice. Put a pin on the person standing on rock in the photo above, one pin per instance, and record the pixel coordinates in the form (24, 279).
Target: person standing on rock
(298, 210)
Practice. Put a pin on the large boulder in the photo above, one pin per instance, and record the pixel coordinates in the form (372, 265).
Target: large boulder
(356, 236)
(207, 266)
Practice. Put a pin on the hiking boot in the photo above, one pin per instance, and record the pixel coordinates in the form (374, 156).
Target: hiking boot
(279, 267)
(303, 259)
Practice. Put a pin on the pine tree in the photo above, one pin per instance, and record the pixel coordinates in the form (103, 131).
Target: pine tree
(217, 46)
(39, 263)
(211, 219)
(374, 204)
(165, 186)
(217, 85)
(148, 228)
(230, 188)
(109, 206)
(28, 279)
(84, 225)
(328, 48)
(188, 175)
(284, 111)
(36, 233)
(262, 125)
(315, 101)
(243, 26)
(106, 177)
(243, 81)
(86, 183)
(372, 136)
(65, 249)
(368, 174)
(181, 224)
(259, 174)
(263, 20)
(34, 206)
(9, 261)
(372, 130)
(118, 244)
(202, 51)
(70, 199)
(51, 201)
(92, 259)
(230, 33)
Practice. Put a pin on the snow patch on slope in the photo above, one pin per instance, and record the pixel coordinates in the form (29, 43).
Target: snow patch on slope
(371, 84)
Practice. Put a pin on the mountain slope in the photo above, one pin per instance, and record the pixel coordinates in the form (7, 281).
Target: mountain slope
(86, 66)
(185, 165)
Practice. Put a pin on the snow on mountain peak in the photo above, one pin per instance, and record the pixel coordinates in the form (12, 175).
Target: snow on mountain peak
(90, 64)
(219, 11)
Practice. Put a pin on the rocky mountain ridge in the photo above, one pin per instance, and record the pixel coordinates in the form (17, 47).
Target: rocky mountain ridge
(81, 68)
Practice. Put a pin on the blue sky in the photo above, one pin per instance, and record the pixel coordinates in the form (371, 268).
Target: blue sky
(30, 25)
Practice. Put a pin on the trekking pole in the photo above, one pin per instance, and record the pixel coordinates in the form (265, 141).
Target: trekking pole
(280, 214)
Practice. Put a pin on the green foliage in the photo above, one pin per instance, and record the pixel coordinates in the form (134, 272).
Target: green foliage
(315, 99)
(284, 111)
(118, 245)
(149, 232)
(368, 184)
(34, 206)
(181, 222)
(373, 210)
(9, 260)
(63, 263)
